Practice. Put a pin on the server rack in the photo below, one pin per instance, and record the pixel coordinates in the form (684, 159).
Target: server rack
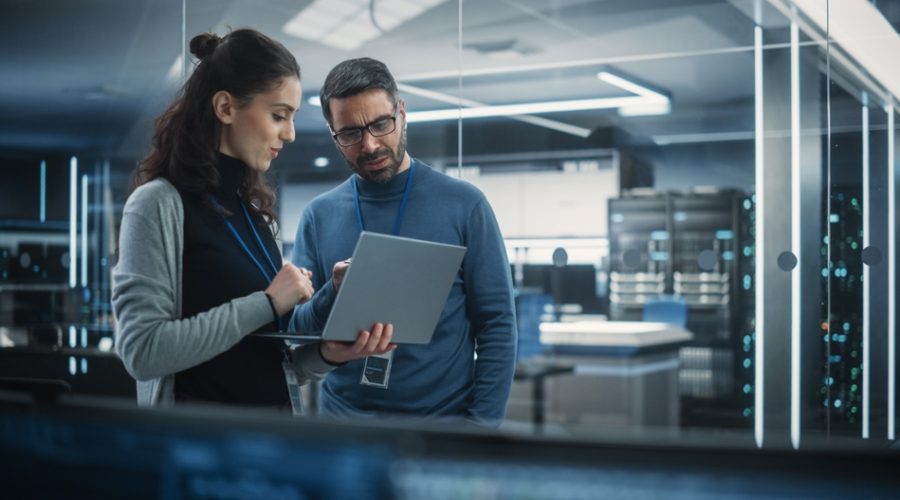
(692, 246)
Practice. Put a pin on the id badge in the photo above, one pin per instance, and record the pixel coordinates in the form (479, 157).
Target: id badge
(290, 376)
(377, 370)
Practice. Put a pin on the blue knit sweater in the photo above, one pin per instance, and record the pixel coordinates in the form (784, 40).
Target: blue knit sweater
(441, 380)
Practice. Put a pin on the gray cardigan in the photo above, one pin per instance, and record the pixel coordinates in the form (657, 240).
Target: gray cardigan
(152, 338)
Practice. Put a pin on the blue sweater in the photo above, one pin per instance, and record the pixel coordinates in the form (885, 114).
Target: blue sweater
(440, 380)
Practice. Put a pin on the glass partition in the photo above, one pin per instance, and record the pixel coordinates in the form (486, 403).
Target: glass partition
(82, 83)
(621, 135)
(697, 198)
(861, 346)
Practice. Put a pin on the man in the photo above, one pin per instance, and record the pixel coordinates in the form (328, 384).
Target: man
(393, 193)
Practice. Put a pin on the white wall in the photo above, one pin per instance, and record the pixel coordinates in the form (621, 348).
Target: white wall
(527, 204)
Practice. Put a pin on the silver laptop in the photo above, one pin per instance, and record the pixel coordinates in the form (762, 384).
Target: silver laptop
(395, 280)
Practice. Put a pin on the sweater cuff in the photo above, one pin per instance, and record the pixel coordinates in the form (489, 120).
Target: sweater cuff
(323, 301)
(275, 317)
(308, 360)
(255, 312)
(329, 363)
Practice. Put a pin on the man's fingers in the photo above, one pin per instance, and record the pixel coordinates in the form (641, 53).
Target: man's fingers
(386, 337)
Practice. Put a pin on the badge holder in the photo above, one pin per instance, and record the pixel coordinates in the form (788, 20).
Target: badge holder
(377, 370)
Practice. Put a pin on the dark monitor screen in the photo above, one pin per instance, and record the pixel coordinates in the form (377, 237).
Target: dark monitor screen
(570, 284)
(20, 191)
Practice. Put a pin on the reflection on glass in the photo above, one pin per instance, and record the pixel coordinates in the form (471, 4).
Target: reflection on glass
(629, 133)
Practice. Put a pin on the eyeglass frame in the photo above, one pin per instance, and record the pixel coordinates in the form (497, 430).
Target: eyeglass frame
(392, 118)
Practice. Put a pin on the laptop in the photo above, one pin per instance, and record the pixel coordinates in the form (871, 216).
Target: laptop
(391, 279)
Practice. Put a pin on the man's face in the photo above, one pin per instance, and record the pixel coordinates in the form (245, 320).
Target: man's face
(375, 159)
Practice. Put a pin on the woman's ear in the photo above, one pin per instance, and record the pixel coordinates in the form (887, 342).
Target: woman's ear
(224, 106)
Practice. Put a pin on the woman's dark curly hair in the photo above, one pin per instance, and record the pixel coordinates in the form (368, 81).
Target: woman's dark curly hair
(186, 136)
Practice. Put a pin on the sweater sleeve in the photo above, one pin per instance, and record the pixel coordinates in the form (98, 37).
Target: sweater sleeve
(310, 317)
(491, 311)
(151, 339)
(309, 364)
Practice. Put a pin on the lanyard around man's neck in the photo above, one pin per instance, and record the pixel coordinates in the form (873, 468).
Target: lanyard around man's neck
(400, 210)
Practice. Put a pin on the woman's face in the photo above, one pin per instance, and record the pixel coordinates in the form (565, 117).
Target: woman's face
(256, 131)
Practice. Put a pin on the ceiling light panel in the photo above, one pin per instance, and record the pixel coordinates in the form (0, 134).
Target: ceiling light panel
(348, 25)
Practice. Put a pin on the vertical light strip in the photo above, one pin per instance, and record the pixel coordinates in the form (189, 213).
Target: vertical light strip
(73, 220)
(184, 58)
(892, 284)
(760, 237)
(866, 270)
(459, 124)
(43, 191)
(84, 230)
(795, 234)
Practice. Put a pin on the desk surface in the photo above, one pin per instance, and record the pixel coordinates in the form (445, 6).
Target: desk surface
(634, 334)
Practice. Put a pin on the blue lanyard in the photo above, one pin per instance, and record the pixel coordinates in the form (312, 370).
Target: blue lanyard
(399, 218)
(259, 242)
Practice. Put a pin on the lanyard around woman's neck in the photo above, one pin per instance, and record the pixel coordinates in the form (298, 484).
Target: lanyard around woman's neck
(400, 210)
(243, 245)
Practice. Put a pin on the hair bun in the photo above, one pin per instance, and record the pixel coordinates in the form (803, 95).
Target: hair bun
(204, 44)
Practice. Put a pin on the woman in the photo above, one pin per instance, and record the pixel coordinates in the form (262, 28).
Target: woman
(198, 266)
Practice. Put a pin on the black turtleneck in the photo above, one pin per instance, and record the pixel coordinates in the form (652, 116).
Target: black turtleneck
(215, 270)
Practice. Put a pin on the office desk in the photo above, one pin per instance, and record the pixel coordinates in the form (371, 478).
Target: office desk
(618, 373)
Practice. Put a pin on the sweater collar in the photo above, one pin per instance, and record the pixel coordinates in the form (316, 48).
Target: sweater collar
(232, 172)
(393, 187)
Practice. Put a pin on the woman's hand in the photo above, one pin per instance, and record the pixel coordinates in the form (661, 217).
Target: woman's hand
(378, 341)
(290, 287)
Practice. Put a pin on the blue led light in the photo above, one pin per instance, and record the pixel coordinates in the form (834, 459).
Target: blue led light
(72, 365)
(824, 272)
(727, 255)
(659, 235)
(724, 234)
(659, 256)
(838, 403)
(747, 412)
(747, 388)
(834, 218)
(746, 362)
(618, 218)
(747, 205)
(747, 251)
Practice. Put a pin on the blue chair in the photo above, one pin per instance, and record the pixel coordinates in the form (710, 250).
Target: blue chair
(670, 309)
(530, 308)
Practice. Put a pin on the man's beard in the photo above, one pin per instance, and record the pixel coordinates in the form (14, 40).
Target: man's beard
(388, 172)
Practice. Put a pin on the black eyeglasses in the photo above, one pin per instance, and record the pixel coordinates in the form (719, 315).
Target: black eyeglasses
(351, 136)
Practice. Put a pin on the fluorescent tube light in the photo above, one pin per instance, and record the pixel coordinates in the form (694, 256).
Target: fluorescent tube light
(760, 306)
(795, 235)
(647, 101)
(73, 220)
